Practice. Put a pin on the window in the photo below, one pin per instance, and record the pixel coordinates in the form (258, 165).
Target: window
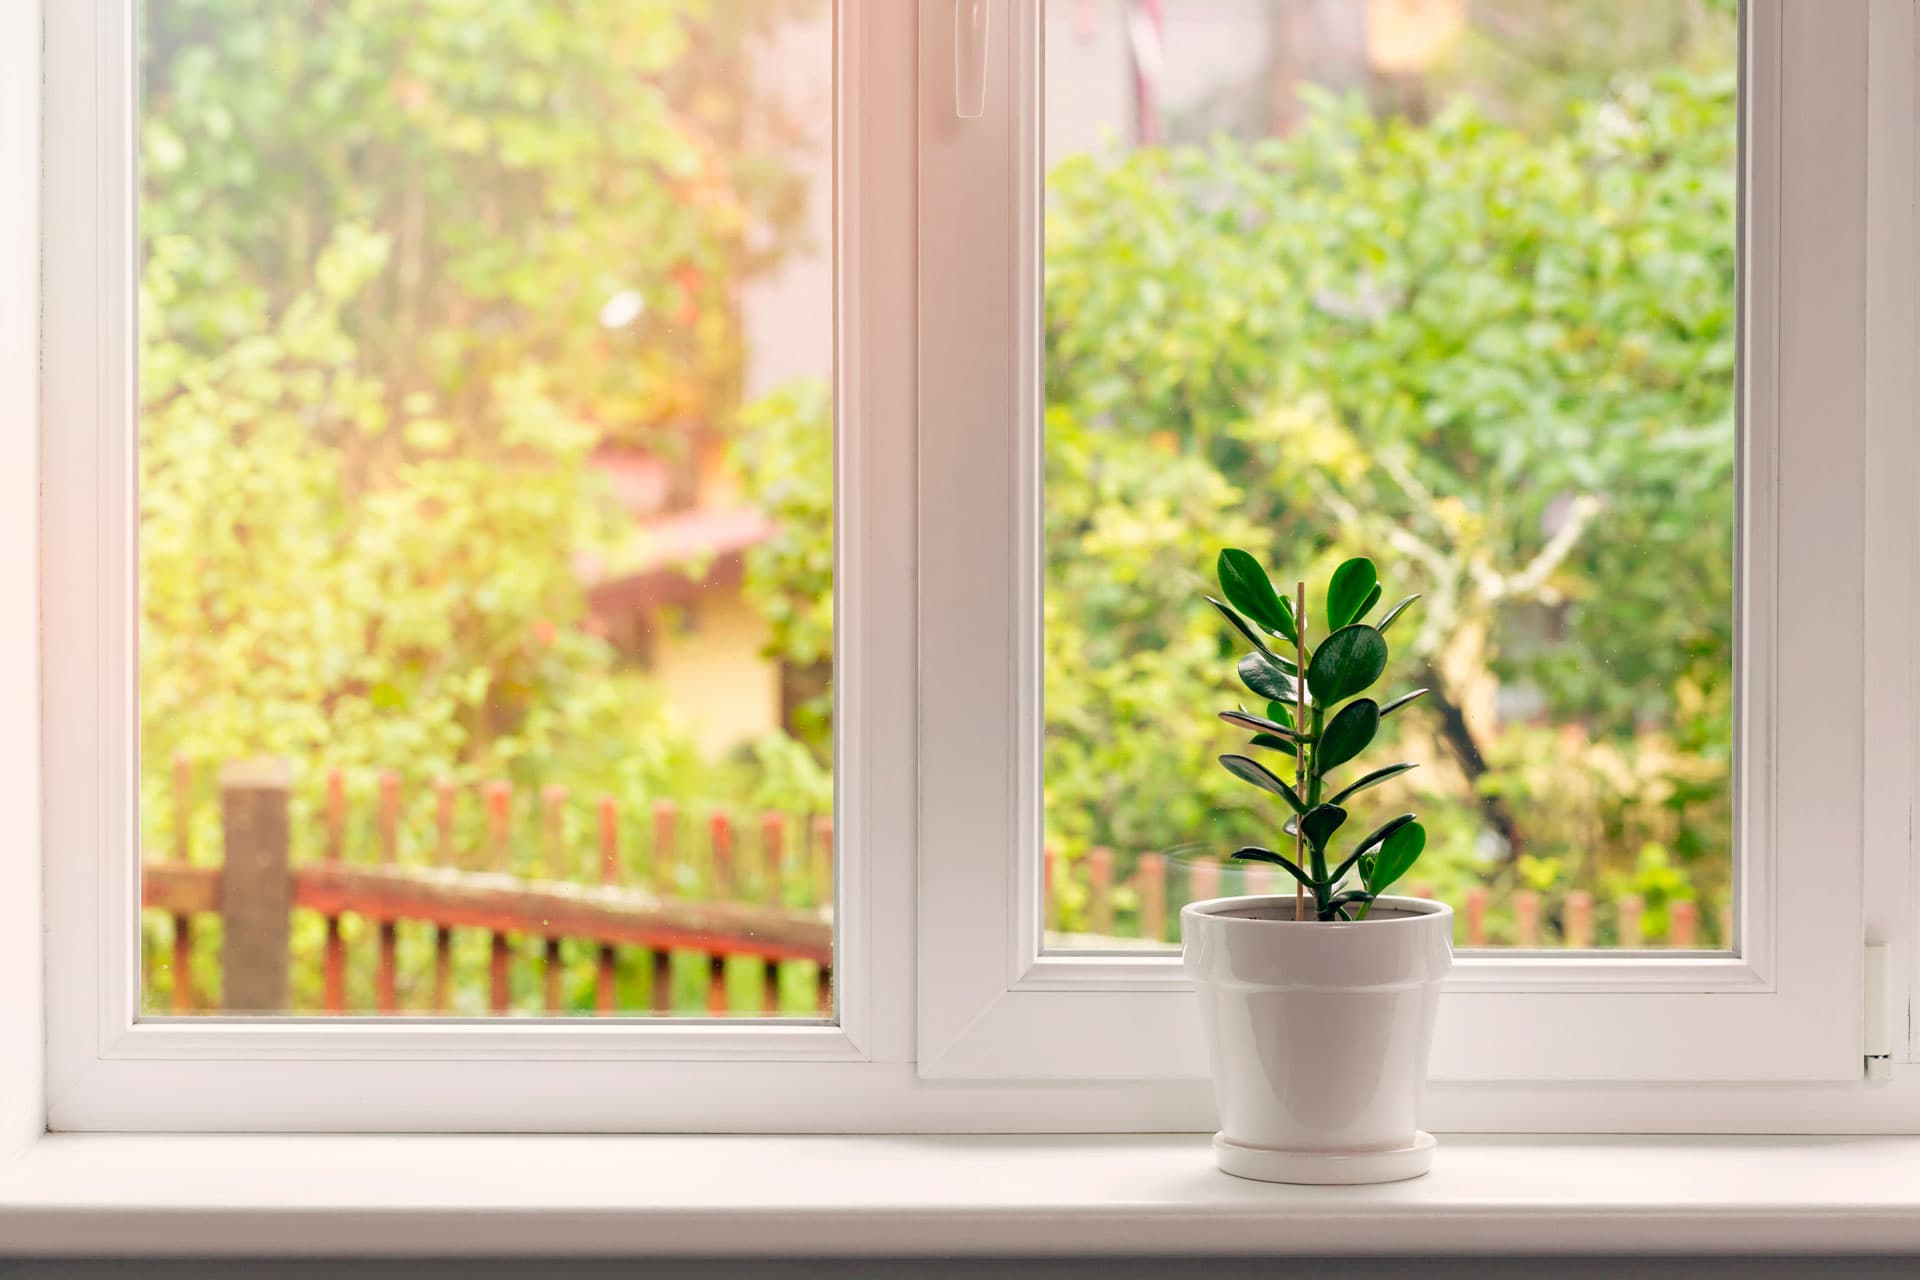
(946, 584)
(485, 475)
(1006, 424)
(493, 388)
(1390, 279)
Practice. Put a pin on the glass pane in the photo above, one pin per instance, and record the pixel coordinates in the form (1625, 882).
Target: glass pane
(485, 491)
(1449, 284)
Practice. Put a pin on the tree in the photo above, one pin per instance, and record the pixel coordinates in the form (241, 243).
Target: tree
(407, 266)
(1506, 360)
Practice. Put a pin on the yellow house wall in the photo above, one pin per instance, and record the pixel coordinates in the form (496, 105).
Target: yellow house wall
(711, 667)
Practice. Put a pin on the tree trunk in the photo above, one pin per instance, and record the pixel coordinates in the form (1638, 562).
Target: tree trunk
(1457, 734)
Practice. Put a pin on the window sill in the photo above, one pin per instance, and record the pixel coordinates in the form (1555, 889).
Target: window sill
(547, 1195)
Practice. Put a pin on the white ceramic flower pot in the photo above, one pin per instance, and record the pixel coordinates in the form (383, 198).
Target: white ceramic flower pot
(1319, 1034)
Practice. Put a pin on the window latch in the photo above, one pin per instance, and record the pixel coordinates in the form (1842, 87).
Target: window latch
(1879, 1037)
(969, 58)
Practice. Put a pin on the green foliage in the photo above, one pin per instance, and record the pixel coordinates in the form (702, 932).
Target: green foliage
(1659, 884)
(784, 454)
(476, 133)
(1495, 345)
(381, 239)
(1503, 357)
(1345, 664)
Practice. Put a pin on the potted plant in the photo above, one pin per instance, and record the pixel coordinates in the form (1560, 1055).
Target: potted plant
(1318, 1007)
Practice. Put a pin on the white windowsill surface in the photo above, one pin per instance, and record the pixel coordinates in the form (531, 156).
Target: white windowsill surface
(768, 1196)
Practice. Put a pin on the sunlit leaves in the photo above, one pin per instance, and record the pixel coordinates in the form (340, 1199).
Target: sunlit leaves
(373, 239)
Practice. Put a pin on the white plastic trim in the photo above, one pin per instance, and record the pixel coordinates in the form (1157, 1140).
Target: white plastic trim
(983, 1196)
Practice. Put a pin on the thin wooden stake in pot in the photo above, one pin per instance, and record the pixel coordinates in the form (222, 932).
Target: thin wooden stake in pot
(1299, 747)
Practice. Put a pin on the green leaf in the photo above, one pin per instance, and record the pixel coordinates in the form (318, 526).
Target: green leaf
(1373, 779)
(1320, 822)
(1253, 637)
(1397, 855)
(1346, 865)
(1346, 663)
(1281, 713)
(1400, 702)
(1352, 582)
(1348, 898)
(1258, 724)
(1277, 744)
(1380, 833)
(1250, 590)
(1261, 776)
(1395, 612)
(1254, 853)
(1348, 734)
(1262, 677)
(1366, 606)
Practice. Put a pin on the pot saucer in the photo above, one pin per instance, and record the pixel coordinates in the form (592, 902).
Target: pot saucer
(1325, 1168)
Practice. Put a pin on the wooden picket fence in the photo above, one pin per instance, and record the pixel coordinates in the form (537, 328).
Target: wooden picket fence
(1483, 917)
(775, 915)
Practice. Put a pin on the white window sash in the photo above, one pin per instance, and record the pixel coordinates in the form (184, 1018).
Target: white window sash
(1786, 1007)
(108, 1068)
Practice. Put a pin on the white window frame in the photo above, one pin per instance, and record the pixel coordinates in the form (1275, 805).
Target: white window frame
(944, 1025)
(110, 1068)
(1788, 1005)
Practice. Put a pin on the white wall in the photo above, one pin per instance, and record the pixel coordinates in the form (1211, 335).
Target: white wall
(788, 313)
(1216, 55)
(22, 1112)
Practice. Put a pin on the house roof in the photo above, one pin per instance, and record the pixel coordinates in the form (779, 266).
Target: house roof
(671, 559)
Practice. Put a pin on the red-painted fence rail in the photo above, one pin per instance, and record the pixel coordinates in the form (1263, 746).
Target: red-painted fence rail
(1087, 895)
(258, 886)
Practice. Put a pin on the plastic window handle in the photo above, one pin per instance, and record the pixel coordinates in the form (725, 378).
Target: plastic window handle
(969, 58)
